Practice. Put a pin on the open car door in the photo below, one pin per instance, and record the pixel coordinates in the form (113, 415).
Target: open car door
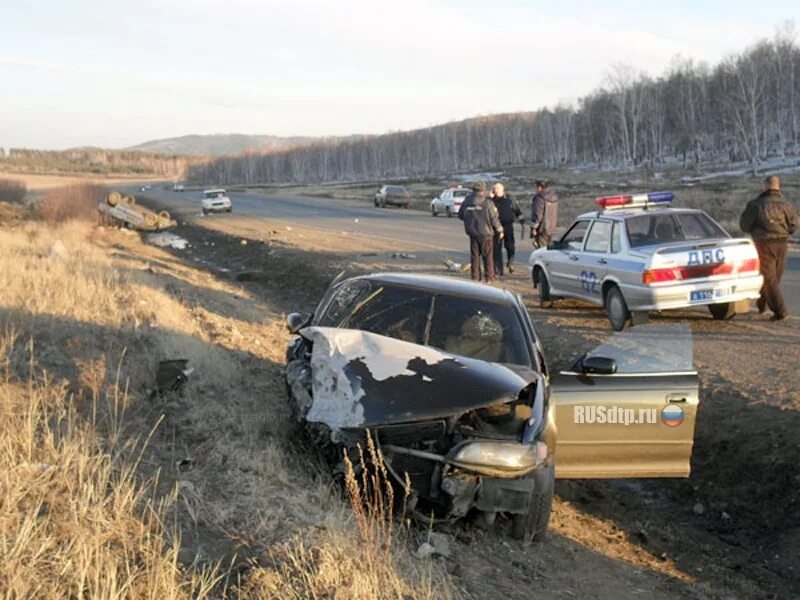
(628, 408)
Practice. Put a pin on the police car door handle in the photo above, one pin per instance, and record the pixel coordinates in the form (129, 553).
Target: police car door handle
(573, 257)
(676, 398)
(602, 261)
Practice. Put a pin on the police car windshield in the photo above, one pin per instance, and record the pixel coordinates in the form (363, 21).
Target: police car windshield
(396, 190)
(460, 194)
(665, 228)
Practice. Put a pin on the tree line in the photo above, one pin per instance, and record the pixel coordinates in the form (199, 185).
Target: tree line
(744, 109)
(93, 160)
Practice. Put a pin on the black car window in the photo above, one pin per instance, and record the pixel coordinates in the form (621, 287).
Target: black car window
(460, 194)
(598, 238)
(616, 241)
(346, 298)
(573, 239)
(478, 329)
(396, 190)
(396, 312)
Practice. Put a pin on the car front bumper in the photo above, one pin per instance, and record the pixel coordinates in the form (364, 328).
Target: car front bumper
(665, 297)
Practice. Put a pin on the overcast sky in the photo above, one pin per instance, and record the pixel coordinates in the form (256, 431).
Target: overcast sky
(118, 73)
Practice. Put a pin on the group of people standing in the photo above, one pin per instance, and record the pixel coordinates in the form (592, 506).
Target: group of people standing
(489, 223)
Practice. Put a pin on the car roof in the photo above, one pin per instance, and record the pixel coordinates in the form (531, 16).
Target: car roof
(622, 215)
(214, 190)
(445, 285)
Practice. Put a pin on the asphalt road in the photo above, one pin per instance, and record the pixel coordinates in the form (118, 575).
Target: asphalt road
(419, 229)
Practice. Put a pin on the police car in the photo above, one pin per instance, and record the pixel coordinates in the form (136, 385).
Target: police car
(637, 254)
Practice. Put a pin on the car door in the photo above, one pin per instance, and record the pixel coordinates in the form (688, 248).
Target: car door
(593, 261)
(638, 421)
(446, 197)
(562, 262)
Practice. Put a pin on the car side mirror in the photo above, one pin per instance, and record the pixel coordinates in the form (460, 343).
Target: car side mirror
(295, 322)
(554, 245)
(598, 365)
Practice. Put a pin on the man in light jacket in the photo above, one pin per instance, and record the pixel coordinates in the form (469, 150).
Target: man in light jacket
(481, 224)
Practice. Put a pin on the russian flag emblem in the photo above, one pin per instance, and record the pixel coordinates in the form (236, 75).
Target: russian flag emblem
(672, 415)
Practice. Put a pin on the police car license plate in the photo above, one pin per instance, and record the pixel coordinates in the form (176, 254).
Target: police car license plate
(712, 294)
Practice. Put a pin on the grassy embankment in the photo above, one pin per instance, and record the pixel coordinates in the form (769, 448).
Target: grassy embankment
(107, 494)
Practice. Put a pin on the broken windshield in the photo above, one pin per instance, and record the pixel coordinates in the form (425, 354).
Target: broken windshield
(455, 324)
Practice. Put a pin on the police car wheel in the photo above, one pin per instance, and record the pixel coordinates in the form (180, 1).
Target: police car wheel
(724, 311)
(545, 299)
(617, 309)
(434, 212)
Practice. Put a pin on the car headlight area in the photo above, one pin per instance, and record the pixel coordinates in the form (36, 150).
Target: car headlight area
(499, 459)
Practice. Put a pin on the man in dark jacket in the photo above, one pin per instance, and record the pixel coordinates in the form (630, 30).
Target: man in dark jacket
(544, 214)
(770, 220)
(508, 210)
(481, 223)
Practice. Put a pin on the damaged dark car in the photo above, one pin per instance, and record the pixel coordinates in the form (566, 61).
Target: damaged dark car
(449, 378)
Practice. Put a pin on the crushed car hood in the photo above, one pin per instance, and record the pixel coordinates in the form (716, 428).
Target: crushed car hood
(361, 379)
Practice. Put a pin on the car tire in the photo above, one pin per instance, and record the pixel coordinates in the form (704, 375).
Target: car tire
(724, 311)
(532, 526)
(376, 203)
(545, 299)
(229, 210)
(617, 309)
(434, 212)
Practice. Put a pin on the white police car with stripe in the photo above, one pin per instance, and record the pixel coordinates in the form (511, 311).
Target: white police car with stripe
(639, 254)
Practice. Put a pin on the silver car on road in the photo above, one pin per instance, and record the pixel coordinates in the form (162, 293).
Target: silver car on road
(639, 254)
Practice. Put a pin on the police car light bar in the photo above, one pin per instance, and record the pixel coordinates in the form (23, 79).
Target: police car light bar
(634, 200)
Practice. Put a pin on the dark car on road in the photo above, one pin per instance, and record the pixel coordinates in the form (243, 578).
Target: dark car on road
(450, 379)
(392, 195)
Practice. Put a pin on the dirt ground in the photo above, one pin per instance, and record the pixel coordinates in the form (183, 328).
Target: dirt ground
(732, 530)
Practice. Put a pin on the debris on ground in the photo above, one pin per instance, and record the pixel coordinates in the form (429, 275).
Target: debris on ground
(404, 255)
(59, 250)
(167, 240)
(171, 376)
(699, 509)
(438, 544)
(252, 276)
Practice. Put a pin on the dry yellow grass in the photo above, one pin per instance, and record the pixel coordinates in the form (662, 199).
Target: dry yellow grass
(91, 502)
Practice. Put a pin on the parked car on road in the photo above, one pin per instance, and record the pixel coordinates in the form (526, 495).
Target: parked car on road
(216, 200)
(392, 195)
(450, 380)
(448, 201)
(638, 254)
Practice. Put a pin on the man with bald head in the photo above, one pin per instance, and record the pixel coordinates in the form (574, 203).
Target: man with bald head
(508, 210)
(770, 220)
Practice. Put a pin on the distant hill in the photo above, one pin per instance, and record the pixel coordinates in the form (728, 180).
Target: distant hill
(222, 143)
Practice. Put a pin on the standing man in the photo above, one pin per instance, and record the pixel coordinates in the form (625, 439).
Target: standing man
(508, 210)
(481, 223)
(770, 220)
(544, 214)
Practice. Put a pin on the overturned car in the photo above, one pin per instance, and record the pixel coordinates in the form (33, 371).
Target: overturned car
(449, 378)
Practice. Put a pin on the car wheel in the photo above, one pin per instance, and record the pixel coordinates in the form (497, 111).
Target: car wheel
(376, 203)
(230, 209)
(723, 311)
(617, 309)
(434, 212)
(545, 299)
(532, 526)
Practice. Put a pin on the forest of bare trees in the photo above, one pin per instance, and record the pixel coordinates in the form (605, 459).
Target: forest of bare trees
(96, 161)
(745, 109)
